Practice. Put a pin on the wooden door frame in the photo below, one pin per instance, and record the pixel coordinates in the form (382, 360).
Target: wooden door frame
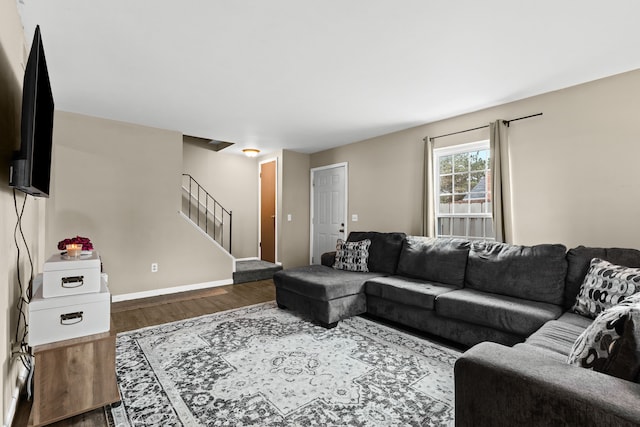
(260, 163)
(312, 171)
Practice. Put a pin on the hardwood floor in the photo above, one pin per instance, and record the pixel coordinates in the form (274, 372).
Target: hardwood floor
(135, 314)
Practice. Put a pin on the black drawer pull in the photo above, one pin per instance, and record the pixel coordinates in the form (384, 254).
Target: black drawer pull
(72, 281)
(71, 318)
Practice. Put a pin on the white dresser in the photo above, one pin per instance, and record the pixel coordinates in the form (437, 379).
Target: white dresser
(70, 299)
(73, 345)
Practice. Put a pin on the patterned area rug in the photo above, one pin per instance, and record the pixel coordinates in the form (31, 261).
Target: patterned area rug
(262, 366)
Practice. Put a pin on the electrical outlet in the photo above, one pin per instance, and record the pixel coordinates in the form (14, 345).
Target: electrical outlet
(154, 267)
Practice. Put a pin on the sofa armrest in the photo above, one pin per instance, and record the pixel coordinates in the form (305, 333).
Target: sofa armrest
(328, 258)
(502, 386)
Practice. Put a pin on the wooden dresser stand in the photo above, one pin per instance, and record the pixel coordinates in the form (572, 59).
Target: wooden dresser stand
(73, 376)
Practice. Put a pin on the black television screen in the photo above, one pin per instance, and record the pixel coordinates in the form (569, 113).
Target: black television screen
(31, 167)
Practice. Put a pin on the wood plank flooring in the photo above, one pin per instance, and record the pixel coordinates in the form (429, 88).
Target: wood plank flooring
(135, 314)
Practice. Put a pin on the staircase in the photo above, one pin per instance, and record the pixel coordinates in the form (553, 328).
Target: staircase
(215, 221)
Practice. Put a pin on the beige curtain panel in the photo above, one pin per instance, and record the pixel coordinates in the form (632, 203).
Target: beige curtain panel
(428, 203)
(498, 144)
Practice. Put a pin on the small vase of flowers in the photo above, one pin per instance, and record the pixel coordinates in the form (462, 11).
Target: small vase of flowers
(87, 246)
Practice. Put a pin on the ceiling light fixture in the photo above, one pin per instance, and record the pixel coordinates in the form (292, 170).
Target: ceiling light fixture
(251, 152)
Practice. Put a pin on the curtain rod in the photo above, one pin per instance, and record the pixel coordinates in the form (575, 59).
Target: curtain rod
(506, 122)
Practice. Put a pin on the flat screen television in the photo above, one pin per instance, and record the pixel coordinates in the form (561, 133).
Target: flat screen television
(31, 165)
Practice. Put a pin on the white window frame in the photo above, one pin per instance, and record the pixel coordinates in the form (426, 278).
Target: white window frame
(447, 151)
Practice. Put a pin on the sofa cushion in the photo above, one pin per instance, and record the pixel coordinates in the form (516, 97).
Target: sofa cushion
(534, 273)
(604, 286)
(328, 258)
(352, 256)
(542, 351)
(611, 344)
(578, 262)
(322, 282)
(434, 260)
(556, 336)
(384, 250)
(575, 319)
(406, 291)
(501, 312)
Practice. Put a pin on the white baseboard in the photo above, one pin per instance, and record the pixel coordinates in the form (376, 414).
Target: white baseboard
(173, 290)
(13, 406)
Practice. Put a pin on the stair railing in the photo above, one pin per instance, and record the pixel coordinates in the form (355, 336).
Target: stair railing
(207, 213)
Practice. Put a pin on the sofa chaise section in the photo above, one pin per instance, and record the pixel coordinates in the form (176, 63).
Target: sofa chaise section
(329, 295)
(323, 293)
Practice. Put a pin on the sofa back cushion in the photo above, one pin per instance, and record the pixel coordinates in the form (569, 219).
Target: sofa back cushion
(384, 250)
(536, 273)
(434, 260)
(579, 259)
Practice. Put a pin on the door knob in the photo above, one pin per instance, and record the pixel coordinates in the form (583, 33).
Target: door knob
(341, 230)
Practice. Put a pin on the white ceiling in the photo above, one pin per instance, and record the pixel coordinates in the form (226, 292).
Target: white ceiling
(308, 75)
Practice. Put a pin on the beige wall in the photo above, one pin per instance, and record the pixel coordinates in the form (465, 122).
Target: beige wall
(573, 169)
(384, 181)
(233, 181)
(294, 234)
(120, 185)
(12, 48)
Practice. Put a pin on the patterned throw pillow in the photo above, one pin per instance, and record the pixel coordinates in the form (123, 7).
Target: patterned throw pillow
(352, 256)
(604, 286)
(611, 344)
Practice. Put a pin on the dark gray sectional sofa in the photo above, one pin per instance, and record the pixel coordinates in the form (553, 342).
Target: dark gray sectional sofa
(512, 301)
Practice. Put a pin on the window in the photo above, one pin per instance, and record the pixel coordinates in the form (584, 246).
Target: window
(463, 191)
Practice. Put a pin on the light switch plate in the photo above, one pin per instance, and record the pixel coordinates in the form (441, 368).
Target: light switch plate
(354, 218)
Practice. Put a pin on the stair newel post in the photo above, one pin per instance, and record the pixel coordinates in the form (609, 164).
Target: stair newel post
(190, 195)
(222, 225)
(206, 213)
(215, 205)
(199, 208)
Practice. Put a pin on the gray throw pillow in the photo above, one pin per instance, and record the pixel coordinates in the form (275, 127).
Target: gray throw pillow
(352, 256)
(611, 344)
(604, 286)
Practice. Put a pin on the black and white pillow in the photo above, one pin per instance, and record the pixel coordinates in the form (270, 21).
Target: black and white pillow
(611, 344)
(352, 256)
(604, 286)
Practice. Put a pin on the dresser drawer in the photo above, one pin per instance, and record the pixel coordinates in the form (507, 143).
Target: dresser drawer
(63, 277)
(62, 318)
(71, 282)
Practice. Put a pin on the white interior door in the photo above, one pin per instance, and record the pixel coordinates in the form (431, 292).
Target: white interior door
(328, 210)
